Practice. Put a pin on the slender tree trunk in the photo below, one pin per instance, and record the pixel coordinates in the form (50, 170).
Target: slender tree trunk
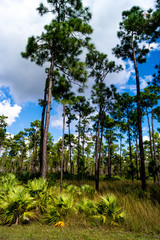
(44, 155)
(42, 127)
(33, 168)
(130, 147)
(62, 147)
(120, 156)
(100, 148)
(78, 157)
(154, 149)
(137, 157)
(97, 150)
(150, 139)
(109, 158)
(84, 162)
(70, 148)
(143, 175)
(21, 161)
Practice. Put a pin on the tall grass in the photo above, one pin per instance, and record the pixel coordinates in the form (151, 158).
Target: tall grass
(78, 205)
(142, 214)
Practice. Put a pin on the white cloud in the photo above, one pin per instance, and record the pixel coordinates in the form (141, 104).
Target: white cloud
(56, 119)
(145, 138)
(10, 111)
(150, 46)
(144, 81)
(155, 46)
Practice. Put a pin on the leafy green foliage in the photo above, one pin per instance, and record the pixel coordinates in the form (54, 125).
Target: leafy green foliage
(87, 207)
(63, 203)
(7, 183)
(74, 190)
(39, 190)
(108, 208)
(51, 215)
(17, 206)
(37, 186)
(3, 126)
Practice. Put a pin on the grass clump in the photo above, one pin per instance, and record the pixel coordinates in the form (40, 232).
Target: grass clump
(118, 204)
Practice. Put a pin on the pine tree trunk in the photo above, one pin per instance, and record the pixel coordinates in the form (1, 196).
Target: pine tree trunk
(100, 148)
(150, 139)
(70, 148)
(130, 148)
(33, 169)
(109, 158)
(42, 128)
(120, 156)
(78, 157)
(97, 150)
(21, 162)
(44, 155)
(143, 175)
(154, 149)
(84, 162)
(137, 156)
(62, 147)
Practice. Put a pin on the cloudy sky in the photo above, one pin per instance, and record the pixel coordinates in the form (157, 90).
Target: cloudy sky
(22, 82)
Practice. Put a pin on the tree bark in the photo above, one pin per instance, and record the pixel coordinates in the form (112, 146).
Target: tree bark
(97, 150)
(44, 154)
(100, 147)
(143, 175)
(150, 139)
(137, 157)
(34, 157)
(120, 156)
(130, 147)
(42, 128)
(70, 148)
(154, 150)
(78, 157)
(109, 158)
(62, 147)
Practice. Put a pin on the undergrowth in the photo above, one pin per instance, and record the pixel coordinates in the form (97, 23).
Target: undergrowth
(119, 204)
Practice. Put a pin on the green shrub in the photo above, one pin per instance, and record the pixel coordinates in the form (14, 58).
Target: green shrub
(7, 183)
(63, 203)
(51, 215)
(108, 209)
(87, 207)
(37, 186)
(17, 206)
(74, 190)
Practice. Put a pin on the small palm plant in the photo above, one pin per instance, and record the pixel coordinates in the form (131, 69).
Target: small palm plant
(107, 209)
(74, 190)
(87, 207)
(38, 189)
(64, 203)
(37, 186)
(51, 216)
(7, 183)
(17, 206)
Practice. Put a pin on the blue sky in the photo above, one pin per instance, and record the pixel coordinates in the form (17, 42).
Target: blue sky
(22, 82)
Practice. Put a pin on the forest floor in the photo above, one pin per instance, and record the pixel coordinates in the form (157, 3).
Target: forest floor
(36, 231)
(142, 217)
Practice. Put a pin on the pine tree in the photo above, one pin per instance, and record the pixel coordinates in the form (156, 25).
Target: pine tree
(131, 35)
(59, 46)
